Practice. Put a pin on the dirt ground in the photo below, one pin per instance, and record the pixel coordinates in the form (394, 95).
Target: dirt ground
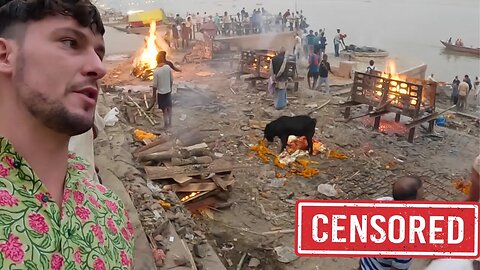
(208, 94)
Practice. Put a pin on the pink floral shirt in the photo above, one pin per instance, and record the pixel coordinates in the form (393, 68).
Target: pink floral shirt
(90, 231)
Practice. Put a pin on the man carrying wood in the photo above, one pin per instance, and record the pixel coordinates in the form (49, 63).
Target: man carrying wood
(162, 88)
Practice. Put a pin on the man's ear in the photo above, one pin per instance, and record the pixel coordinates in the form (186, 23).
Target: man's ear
(6, 56)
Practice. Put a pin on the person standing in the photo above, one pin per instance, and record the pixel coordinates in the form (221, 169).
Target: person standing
(336, 43)
(323, 43)
(175, 36)
(462, 95)
(313, 69)
(185, 36)
(277, 68)
(298, 46)
(454, 96)
(162, 89)
(310, 42)
(371, 67)
(54, 216)
(324, 70)
(305, 43)
(407, 188)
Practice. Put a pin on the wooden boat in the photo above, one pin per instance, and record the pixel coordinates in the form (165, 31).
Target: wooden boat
(463, 49)
(354, 54)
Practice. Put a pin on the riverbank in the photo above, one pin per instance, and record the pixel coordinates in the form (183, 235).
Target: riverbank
(258, 212)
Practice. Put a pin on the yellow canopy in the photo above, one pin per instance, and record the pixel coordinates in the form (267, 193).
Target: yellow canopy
(147, 16)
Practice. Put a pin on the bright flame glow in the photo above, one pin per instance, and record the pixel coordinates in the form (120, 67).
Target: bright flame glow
(149, 54)
(146, 60)
(189, 196)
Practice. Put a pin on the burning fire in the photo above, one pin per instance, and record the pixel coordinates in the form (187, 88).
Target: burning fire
(189, 196)
(395, 88)
(146, 61)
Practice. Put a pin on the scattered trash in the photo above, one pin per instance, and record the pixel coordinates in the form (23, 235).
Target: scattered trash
(227, 246)
(111, 118)
(289, 162)
(300, 143)
(334, 154)
(441, 121)
(165, 205)
(183, 117)
(327, 190)
(285, 254)
(462, 185)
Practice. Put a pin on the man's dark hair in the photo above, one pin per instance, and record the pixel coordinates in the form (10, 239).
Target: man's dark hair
(161, 57)
(13, 12)
(406, 188)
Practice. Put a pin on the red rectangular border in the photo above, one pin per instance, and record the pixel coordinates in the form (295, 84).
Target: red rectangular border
(329, 250)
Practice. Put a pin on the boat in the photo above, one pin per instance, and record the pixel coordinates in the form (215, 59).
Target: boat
(139, 21)
(463, 49)
(370, 54)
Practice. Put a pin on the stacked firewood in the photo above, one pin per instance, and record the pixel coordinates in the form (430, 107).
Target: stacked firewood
(185, 164)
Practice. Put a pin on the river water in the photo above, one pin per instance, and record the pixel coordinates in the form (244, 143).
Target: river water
(410, 30)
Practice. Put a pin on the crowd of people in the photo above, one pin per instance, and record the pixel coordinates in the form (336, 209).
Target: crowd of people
(182, 30)
(461, 90)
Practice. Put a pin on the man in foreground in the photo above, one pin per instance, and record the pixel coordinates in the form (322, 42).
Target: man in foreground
(407, 188)
(53, 216)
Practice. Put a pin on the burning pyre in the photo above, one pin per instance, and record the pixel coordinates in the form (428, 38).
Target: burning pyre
(396, 92)
(146, 59)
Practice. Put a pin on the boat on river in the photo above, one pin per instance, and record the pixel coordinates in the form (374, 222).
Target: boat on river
(463, 49)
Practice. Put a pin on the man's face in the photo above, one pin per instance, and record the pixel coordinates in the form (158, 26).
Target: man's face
(56, 70)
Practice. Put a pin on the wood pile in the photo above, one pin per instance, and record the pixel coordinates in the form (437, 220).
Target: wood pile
(184, 163)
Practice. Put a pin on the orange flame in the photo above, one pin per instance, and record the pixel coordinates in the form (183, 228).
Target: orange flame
(149, 54)
(146, 61)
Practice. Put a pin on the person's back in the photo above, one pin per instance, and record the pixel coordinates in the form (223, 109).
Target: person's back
(323, 42)
(277, 62)
(463, 89)
(311, 39)
(163, 79)
(324, 69)
(314, 63)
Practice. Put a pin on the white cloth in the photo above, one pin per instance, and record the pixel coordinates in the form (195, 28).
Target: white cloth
(298, 42)
(82, 145)
(162, 79)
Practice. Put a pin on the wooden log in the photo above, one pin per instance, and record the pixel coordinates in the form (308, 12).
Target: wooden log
(196, 146)
(192, 160)
(158, 148)
(158, 156)
(191, 139)
(224, 184)
(157, 173)
(200, 153)
(142, 112)
(193, 187)
(157, 141)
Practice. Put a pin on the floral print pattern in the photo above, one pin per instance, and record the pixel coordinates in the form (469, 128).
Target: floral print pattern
(90, 231)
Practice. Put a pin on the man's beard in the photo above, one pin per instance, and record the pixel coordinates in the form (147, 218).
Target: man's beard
(51, 113)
